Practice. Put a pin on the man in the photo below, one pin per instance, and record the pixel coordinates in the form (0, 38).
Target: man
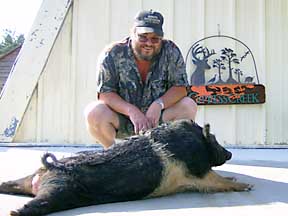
(141, 82)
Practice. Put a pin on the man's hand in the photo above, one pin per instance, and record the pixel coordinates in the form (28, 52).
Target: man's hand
(139, 120)
(115, 102)
(153, 114)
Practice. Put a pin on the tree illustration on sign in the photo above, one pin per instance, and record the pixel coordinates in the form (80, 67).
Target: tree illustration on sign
(227, 65)
(229, 57)
(238, 73)
(218, 63)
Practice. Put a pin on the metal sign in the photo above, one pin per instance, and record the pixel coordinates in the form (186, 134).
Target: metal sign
(228, 94)
(222, 70)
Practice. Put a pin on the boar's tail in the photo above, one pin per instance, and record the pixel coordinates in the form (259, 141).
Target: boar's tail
(46, 163)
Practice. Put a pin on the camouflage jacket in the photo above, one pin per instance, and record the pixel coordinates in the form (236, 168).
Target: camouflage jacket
(117, 72)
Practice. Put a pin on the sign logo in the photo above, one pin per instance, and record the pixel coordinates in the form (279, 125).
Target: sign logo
(222, 70)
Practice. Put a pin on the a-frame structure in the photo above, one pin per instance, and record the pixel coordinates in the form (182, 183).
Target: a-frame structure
(32, 59)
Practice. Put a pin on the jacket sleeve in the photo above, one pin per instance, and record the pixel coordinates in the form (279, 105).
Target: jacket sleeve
(107, 78)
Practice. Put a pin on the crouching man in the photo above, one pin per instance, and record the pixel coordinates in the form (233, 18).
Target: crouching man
(141, 82)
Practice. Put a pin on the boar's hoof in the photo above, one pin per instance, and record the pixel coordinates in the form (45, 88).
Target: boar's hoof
(243, 187)
(14, 213)
(249, 187)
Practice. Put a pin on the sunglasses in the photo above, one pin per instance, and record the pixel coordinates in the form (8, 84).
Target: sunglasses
(143, 39)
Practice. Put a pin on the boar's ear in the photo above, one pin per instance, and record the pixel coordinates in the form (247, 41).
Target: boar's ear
(206, 131)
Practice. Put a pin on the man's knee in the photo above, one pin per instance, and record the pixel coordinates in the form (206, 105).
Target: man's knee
(189, 106)
(190, 103)
(96, 112)
(186, 108)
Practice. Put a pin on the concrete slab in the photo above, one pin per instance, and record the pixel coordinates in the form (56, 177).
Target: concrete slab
(267, 169)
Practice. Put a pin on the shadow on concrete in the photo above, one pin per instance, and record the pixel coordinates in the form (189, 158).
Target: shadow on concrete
(264, 192)
(260, 163)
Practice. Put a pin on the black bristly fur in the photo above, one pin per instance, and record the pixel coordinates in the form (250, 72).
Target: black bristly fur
(130, 170)
(186, 142)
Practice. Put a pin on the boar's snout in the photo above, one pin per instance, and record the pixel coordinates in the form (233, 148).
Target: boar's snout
(228, 155)
(218, 155)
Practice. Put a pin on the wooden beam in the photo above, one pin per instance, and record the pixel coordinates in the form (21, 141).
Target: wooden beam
(29, 65)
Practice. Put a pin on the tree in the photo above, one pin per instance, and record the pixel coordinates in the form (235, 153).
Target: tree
(238, 73)
(220, 66)
(229, 56)
(10, 41)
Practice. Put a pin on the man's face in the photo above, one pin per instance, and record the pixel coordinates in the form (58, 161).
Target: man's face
(146, 46)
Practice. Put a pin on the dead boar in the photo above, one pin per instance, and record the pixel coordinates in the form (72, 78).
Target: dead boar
(174, 157)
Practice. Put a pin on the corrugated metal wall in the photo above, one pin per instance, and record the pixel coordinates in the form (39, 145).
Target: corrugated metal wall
(55, 113)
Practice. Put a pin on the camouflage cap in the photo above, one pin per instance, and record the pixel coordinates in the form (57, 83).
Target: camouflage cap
(149, 21)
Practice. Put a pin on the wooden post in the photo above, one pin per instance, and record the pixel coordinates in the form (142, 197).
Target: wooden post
(29, 65)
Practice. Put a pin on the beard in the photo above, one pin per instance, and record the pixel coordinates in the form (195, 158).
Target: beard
(144, 51)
